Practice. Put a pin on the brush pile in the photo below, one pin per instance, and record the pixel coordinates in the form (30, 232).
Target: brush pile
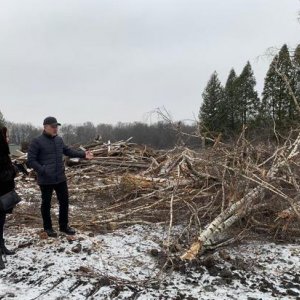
(221, 191)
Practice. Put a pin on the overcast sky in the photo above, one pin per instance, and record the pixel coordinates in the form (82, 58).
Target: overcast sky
(115, 60)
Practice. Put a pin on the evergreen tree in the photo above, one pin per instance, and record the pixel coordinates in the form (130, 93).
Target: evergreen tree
(231, 100)
(2, 120)
(277, 101)
(211, 113)
(270, 93)
(248, 103)
(296, 62)
(297, 57)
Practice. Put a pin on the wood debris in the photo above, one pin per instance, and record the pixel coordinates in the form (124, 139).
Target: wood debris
(222, 190)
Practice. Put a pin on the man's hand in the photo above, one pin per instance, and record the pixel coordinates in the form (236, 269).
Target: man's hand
(89, 155)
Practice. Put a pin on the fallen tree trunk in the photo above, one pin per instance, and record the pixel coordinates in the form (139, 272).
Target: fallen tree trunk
(238, 209)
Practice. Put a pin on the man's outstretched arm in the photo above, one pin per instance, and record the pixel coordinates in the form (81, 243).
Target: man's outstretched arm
(76, 153)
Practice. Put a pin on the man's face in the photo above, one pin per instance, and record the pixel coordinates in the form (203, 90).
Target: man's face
(51, 129)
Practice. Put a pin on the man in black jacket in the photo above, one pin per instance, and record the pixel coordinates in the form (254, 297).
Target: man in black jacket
(45, 156)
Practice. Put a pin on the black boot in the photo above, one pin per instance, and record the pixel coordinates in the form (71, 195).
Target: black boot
(2, 265)
(4, 250)
(51, 233)
(68, 230)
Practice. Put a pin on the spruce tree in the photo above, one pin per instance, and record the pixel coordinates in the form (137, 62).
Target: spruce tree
(231, 100)
(297, 56)
(296, 62)
(277, 100)
(248, 103)
(270, 93)
(211, 113)
(2, 120)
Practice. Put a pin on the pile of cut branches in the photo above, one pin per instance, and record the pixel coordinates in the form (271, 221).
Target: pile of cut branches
(222, 190)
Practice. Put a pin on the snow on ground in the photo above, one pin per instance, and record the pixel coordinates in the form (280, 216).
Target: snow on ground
(124, 265)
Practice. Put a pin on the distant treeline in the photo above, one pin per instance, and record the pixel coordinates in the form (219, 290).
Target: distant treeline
(159, 135)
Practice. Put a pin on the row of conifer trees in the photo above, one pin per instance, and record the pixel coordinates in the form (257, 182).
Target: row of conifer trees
(227, 109)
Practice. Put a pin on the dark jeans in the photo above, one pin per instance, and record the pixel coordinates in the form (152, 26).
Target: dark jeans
(62, 194)
(2, 222)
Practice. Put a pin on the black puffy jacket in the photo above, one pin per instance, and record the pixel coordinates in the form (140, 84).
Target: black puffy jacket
(7, 181)
(45, 156)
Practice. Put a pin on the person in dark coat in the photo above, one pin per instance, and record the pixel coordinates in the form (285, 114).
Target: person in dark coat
(45, 156)
(7, 184)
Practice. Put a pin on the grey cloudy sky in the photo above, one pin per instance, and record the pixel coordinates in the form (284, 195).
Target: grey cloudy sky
(115, 60)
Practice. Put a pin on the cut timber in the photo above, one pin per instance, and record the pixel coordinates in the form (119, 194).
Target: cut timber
(238, 209)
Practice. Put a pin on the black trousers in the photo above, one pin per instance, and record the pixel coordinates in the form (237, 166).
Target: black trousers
(61, 190)
(2, 222)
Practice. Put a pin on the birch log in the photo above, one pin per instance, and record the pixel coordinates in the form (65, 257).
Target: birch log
(238, 209)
